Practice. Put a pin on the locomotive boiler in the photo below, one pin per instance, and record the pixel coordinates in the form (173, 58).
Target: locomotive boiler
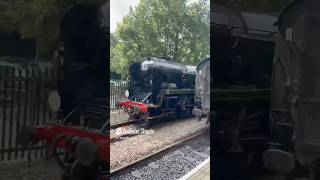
(159, 89)
(84, 33)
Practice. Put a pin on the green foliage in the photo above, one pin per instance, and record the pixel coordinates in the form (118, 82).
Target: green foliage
(38, 19)
(173, 29)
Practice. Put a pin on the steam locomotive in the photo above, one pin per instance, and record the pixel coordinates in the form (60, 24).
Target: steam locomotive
(266, 93)
(242, 70)
(80, 142)
(159, 89)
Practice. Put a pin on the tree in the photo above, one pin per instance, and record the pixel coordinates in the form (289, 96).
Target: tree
(173, 29)
(37, 19)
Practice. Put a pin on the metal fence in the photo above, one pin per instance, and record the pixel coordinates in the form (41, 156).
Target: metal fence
(23, 101)
(117, 94)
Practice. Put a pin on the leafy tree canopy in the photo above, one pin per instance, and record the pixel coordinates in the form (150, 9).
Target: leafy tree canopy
(37, 19)
(174, 29)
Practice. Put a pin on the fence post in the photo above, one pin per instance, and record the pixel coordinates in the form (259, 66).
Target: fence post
(4, 114)
(23, 100)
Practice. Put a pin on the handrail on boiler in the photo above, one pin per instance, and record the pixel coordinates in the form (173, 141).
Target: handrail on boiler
(146, 97)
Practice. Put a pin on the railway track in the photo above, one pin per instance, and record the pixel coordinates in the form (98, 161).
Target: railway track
(156, 154)
(127, 126)
(123, 125)
(127, 123)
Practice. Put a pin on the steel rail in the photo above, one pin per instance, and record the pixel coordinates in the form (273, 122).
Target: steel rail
(114, 126)
(156, 153)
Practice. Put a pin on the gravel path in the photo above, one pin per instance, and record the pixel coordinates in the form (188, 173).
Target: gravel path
(130, 149)
(173, 165)
(36, 170)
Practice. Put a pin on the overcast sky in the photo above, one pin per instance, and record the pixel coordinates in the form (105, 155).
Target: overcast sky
(120, 8)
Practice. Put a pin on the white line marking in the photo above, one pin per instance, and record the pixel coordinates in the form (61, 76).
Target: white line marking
(193, 171)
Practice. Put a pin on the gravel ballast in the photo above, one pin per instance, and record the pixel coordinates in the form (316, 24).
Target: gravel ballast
(172, 165)
(133, 148)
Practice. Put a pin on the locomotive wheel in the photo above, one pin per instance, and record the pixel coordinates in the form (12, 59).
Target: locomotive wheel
(65, 154)
(147, 123)
(182, 114)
